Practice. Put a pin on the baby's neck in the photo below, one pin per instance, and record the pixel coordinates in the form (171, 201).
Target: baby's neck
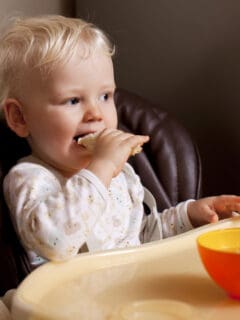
(65, 173)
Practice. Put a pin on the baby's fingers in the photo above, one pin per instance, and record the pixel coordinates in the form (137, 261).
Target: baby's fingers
(135, 143)
(209, 215)
(225, 205)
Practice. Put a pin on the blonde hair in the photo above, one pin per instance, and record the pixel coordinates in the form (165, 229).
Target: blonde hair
(43, 42)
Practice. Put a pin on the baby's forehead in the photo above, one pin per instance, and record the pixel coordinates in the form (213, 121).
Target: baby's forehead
(39, 72)
(80, 53)
(77, 58)
(78, 66)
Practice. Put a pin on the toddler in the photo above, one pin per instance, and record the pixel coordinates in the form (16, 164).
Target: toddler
(57, 85)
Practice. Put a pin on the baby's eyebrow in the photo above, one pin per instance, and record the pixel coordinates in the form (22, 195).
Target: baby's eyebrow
(66, 93)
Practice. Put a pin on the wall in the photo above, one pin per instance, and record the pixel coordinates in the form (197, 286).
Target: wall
(29, 7)
(185, 56)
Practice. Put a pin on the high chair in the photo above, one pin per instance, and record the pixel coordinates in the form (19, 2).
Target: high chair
(169, 166)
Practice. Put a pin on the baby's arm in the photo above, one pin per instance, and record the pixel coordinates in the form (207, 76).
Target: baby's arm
(212, 209)
(51, 219)
(111, 152)
(186, 215)
(175, 220)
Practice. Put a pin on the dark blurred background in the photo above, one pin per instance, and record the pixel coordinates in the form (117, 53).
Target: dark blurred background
(183, 55)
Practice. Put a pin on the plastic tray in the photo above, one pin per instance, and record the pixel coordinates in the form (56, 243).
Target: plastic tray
(160, 280)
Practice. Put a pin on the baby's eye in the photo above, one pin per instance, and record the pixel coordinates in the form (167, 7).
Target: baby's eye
(104, 97)
(73, 101)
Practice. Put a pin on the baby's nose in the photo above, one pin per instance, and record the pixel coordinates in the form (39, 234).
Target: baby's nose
(92, 112)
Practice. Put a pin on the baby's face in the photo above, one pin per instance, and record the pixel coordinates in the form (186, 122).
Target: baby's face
(76, 99)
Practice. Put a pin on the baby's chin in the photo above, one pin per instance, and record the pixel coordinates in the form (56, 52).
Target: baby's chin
(68, 169)
(69, 172)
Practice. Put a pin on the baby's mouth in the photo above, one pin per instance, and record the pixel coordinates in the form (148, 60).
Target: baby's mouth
(78, 136)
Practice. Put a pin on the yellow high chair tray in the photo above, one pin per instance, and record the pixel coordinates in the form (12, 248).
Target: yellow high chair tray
(160, 280)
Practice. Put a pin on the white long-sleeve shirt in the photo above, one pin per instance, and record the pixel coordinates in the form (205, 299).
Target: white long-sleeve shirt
(55, 217)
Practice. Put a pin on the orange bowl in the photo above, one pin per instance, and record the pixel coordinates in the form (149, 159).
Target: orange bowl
(220, 253)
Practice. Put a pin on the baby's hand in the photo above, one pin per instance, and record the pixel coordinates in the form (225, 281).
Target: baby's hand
(212, 209)
(112, 150)
(90, 141)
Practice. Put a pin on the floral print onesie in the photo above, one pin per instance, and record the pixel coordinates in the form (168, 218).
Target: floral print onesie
(56, 217)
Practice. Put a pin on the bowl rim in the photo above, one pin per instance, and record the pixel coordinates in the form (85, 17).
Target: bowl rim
(217, 231)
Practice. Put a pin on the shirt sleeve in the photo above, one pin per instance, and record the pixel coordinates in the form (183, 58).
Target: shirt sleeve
(170, 222)
(175, 220)
(52, 218)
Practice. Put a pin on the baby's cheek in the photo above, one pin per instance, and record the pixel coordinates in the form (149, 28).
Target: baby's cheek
(111, 120)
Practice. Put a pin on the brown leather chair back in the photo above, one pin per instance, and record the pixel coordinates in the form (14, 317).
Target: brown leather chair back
(14, 263)
(169, 167)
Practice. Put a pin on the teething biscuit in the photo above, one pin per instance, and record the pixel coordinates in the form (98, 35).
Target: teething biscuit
(89, 142)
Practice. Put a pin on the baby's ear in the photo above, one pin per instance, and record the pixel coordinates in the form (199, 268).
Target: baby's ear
(15, 118)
